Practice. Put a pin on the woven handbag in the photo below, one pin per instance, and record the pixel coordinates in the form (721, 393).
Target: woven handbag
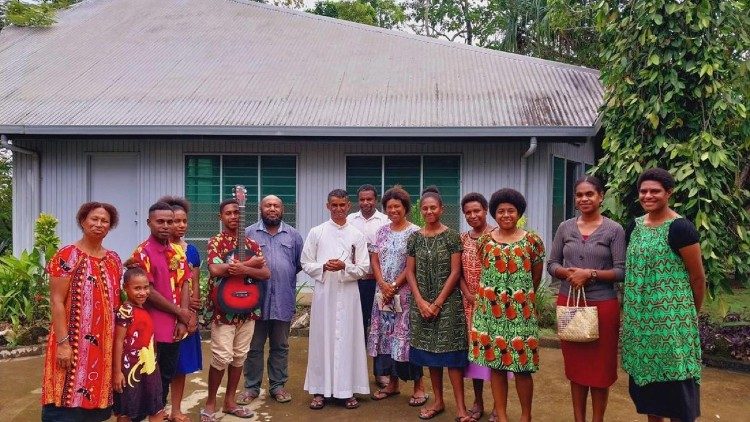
(577, 323)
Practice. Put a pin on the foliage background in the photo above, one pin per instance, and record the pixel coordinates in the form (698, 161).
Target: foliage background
(675, 77)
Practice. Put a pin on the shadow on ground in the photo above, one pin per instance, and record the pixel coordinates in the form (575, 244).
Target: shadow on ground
(724, 395)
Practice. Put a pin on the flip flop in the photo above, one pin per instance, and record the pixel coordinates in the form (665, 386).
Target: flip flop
(430, 413)
(240, 412)
(317, 403)
(179, 418)
(476, 413)
(382, 395)
(208, 417)
(416, 401)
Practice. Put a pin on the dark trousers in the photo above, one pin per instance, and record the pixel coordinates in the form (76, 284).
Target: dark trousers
(277, 332)
(167, 355)
(366, 297)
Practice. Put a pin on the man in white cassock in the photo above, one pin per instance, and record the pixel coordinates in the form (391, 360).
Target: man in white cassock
(335, 256)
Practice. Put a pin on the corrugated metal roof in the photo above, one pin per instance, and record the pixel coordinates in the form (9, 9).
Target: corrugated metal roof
(232, 64)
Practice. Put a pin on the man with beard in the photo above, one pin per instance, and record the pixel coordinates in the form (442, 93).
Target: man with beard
(282, 247)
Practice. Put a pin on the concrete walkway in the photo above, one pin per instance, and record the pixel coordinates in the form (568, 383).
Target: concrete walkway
(724, 395)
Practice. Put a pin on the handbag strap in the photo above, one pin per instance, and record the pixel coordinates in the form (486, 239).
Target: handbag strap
(578, 294)
(581, 294)
(570, 294)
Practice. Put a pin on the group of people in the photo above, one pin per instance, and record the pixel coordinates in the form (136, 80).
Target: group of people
(405, 295)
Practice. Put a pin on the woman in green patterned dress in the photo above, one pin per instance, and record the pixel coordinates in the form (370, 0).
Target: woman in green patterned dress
(664, 289)
(505, 332)
(438, 324)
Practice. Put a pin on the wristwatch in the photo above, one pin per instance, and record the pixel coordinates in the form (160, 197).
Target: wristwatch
(593, 275)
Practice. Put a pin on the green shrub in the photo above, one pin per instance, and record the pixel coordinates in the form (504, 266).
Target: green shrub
(24, 285)
(45, 236)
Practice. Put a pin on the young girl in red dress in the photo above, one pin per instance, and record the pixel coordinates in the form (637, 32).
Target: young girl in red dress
(135, 380)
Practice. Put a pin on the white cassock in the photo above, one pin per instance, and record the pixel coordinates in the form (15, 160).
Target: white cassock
(336, 359)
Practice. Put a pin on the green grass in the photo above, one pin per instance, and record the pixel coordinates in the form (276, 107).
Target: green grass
(723, 303)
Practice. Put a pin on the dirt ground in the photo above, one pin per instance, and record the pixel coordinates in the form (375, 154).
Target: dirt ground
(725, 395)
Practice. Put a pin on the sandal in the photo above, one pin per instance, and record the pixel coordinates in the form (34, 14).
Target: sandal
(246, 397)
(351, 403)
(208, 417)
(281, 396)
(430, 413)
(417, 401)
(493, 416)
(317, 403)
(240, 412)
(382, 394)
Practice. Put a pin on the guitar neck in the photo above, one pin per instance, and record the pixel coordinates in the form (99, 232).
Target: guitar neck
(241, 235)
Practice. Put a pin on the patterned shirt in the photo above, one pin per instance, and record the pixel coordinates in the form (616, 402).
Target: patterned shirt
(167, 269)
(221, 250)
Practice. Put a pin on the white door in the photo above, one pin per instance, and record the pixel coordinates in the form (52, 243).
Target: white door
(113, 178)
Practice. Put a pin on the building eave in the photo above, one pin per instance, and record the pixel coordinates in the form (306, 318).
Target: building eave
(312, 132)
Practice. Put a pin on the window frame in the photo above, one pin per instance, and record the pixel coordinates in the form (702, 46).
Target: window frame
(567, 196)
(258, 156)
(421, 156)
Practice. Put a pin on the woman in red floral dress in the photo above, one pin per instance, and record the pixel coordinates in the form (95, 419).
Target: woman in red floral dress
(84, 287)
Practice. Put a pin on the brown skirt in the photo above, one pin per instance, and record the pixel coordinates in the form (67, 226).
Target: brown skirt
(594, 364)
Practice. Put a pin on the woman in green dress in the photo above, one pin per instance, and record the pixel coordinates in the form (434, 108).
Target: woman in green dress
(663, 292)
(438, 324)
(505, 332)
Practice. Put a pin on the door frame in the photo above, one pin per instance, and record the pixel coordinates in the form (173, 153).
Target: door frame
(136, 157)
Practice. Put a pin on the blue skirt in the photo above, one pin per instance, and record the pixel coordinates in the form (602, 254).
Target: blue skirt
(191, 359)
(456, 359)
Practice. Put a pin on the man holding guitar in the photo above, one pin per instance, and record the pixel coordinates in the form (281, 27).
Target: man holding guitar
(237, 271)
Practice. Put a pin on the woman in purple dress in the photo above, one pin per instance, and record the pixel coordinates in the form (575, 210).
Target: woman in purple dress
(388, 341)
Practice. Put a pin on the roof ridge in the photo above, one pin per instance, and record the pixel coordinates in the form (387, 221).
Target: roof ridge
(419, 38)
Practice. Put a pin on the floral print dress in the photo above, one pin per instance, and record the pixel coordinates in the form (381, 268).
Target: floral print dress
(505, 330)
(89, 310)
(390, 331)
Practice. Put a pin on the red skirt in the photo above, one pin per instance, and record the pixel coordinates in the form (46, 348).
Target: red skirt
(594, 364)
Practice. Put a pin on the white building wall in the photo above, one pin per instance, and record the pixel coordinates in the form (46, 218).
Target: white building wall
(486, 167)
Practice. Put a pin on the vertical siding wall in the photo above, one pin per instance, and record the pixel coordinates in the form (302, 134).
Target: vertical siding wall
(486, 166)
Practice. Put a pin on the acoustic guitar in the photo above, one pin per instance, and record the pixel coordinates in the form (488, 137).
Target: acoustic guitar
(236, 294)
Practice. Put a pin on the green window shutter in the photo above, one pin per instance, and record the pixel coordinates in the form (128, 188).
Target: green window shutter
(404, 171)
(202, 183)
(361, 171)
(278, 176)
(444, 171)
(240, 170)
(558, 192)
